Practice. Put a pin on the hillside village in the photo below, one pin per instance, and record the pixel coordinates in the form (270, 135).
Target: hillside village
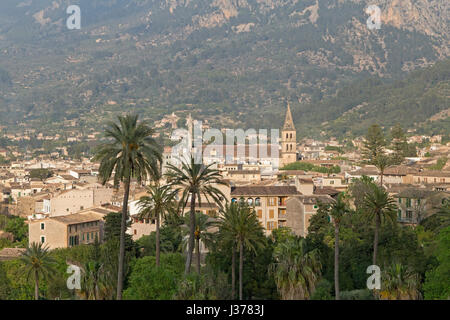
(64, 203)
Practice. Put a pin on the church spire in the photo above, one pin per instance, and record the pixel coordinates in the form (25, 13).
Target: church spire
(288, 123)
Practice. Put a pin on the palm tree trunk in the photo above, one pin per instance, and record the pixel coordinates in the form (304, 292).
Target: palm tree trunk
(122, 240)
(157, 240)
(381, 178)
(198, 256)
(187, 268)
(241, 267)
(375, 239)
(36, 285)
(233, 272)
(336, 260)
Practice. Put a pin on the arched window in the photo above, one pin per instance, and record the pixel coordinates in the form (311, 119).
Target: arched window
(233, 200)
(250, 201)
(257, 202)
(291, 136)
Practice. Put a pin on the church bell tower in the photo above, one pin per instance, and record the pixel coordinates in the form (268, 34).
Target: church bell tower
(288, 140)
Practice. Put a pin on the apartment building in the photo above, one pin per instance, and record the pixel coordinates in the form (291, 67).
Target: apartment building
(269, 203)
(416, 204)
(67, 231)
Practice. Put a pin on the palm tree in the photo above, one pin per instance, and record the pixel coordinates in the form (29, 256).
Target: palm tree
(131, 153)
(400, 283)
(157, 205)
(92, 279)
(337, 210)
(240, 224)
(296, 269)
(378, 205)
(382, 162)
(38, 261)
(227, 234)
(203, 225)
(195, 180)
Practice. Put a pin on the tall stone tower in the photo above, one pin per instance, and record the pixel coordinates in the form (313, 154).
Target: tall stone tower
(288, 140)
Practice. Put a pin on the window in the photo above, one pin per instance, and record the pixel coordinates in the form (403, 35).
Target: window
(257, 202)
(271, 214)
(82, 237)
(272, 201)
(408, 202)
(409, 215)
(42, 239)
(87, 236)
(233, 200)
(42, 226)
(135, 231)
(399, 214)
(260, 214)
(331, 181)
(271, 225)
(399, 200)
(250, 201)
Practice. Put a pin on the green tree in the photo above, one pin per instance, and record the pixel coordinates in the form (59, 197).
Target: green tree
(338, 209)
(239, 225)
(437, 283)
(149, 282)
(399, 283)
(195, 180)
(41, 174)
(296, 269)
(18, 228)
(159, 203)
(399, 144)
(378, 205)
(37, 261)
(203, 234)
(373, 150)
(130, 153)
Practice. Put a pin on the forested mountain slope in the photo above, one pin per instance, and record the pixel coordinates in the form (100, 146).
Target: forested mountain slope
(233, 62)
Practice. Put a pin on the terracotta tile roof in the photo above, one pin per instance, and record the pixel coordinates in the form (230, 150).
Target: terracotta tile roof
(430, 173)
(78, 218)
(11, 253)
(326, 190)
(416, 193)
(264, 191)
(232, 172)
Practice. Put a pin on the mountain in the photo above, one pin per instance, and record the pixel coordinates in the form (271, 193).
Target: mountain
(232, 62)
